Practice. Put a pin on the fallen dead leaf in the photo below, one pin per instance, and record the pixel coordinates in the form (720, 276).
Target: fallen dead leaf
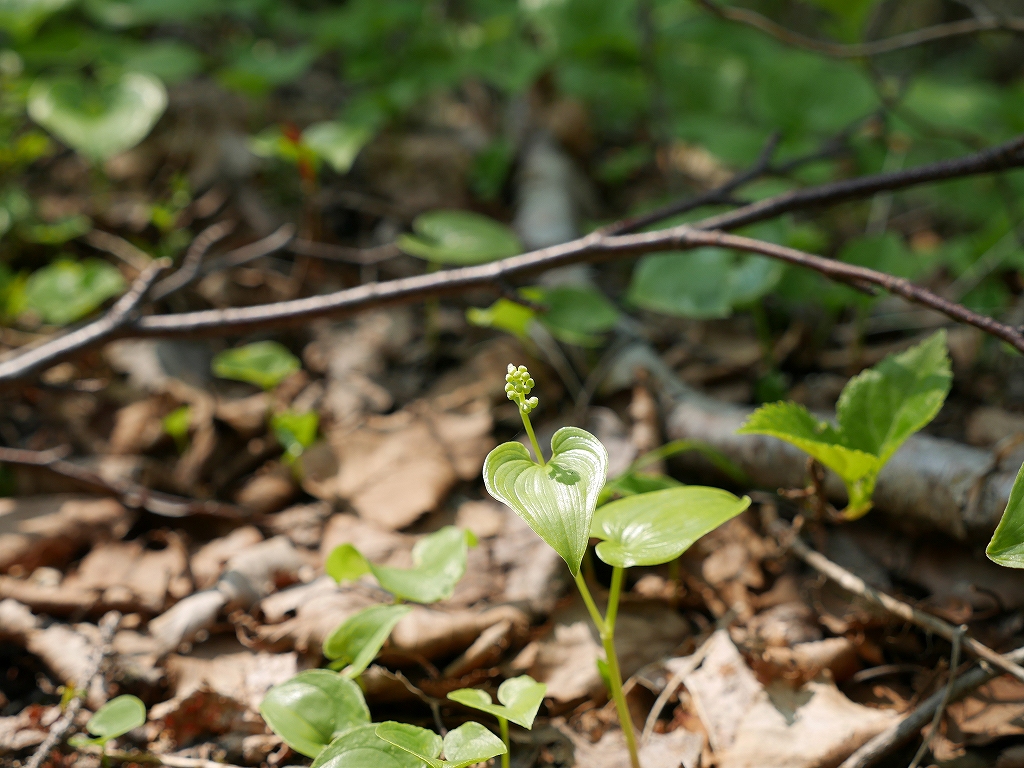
(993, 711)
(209, 561)
(661, 750)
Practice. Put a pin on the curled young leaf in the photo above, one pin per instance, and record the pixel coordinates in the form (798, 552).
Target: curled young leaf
(558, 499)
(439, 561)
(313, 708)
(520, 699)
(360, 747)
(358, 640)
(654, 528)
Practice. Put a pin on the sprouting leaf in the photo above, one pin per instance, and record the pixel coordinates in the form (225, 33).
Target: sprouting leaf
(67, 290)
(468, 744)
(439, 561)
(358, 640)
(313, 708)
(558, 499)
(877, 411)
(21, 18)
(520, 699)
(459, 238)
(295, 431)
(360, 747)
(654, 528)
(504, 315)
(1007, 545)
(99, 121)
(176, 424)
(336, 143)
(263, 363)
(117, 717)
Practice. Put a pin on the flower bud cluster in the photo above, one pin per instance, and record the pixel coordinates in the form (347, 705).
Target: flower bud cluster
(518, 387)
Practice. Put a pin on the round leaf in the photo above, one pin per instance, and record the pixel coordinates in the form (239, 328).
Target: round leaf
(520, 699)
(459, 238)
(470, 743)
(312, 708)
(362, 748)
(263, 363)
(558, 499)
(345, 563)
(654, 528)
(66, 290)
(117, 717)
(359, 639)
(424, 744)
(99, 122)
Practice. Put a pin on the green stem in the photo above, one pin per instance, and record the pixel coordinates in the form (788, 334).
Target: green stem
(506, 759)
(595, 615)
(532, 436)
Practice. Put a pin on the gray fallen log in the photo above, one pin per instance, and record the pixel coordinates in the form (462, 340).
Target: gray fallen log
(930, 482)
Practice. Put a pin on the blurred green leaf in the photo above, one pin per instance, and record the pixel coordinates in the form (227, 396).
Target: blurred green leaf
(54, 233)
(357, 640)
(575, 314)
(459, 238)
(67, 290)
(295, 431)
(118, 716)
(263, 363)
(21, 18)
(504, 315)
(176, 424)
(336, 143)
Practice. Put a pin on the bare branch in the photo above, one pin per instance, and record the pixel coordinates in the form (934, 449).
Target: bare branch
(761, 22)
(193, 260)
(275, 241)
(329, 252)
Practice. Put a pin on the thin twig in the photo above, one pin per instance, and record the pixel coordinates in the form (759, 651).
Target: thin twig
(108, 626)
(275, 241)
(127, 252)
(190, 265)
(61, 346)
(954, 664)
(330, 252)
(852, 583)
(788, 36)
(688, 665)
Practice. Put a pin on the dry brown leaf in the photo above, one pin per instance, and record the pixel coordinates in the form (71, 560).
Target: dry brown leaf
(50, 530)
(209, 561)
(138, 427)
(269, 490)
(378, 545)
(56, 600)
(302, 524)
(785, 625)
(25, 729)
(661, 750)
(246, 415)
(993, 711)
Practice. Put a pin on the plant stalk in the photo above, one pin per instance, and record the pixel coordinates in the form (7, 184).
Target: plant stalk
(506, 759)
(532, 436)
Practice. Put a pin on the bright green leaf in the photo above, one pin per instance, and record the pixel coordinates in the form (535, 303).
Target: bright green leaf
(520, 699)
(99, 121)
(295, 431)
(362, 748)
(66, 290)
(654, 528)
(54, 232)
(468, 744)
(336, 143)
(504, 315)
(419, 742)
(313, 708)
(1007, 545)
(117, 717)
(22, 18)
(558, 499)
(263, 363)
(358, 640)
(459, 238)
(439, 562)
(176, 424)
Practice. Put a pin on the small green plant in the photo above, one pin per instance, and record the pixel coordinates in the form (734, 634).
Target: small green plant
(357, 640)
(519, 697)
(115, 718)
(263, 363)
(558, 499)
(877, 411)
(295, 432)
(468, 744)
(459, 238)
(573, 314)
(68, 290)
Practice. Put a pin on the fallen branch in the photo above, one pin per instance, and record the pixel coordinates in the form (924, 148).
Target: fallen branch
(931, 34)
(193, 261)
(108, 626)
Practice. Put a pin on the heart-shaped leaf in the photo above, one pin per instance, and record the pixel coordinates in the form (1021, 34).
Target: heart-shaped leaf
(359, 639)
(654, 528)
(520, 699)
(313, 708)
(439, 561)
(468, 744)
(558, 499)
(263, 363)
(362, 748)
(460, 238)
(99, 121)
(337, 144)
(1007, 545)
(117, 717)
(66, 290)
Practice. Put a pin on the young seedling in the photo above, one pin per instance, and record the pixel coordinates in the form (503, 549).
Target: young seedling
(558, 498)
(520, 699)
(468, 744)
(113, 719)
(356, 642)
(313, 708)
(876, 413)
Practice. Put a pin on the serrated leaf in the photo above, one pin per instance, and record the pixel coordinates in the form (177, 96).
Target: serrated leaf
(66, 290)
(313, 708)
(99, 121)
(117, 717)
(655, 528)
(520, 699)
(459, 238)
(468, 744)
(358, 640)
(263, 363)
(423, 744)
(336, 143)
(362, 748)
(439, 562)
(556, 500)
(1007, 544)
